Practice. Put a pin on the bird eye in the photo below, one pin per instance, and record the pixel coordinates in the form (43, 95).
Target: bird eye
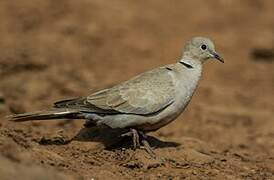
(203, 47)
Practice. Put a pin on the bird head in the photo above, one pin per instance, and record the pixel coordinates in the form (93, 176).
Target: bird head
(200, 48)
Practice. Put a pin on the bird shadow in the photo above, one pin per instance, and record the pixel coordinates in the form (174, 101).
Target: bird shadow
(110, 138)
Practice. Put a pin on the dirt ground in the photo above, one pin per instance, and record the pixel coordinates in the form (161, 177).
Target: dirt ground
(52, 50)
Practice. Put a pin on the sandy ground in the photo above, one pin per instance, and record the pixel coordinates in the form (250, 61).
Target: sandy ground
(52, 50)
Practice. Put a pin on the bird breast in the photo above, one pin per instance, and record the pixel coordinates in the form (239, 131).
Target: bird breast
(186, 81)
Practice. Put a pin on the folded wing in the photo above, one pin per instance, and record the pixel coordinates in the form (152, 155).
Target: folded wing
(145, 94)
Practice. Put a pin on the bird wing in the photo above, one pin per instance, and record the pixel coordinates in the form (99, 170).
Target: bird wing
(145, 94)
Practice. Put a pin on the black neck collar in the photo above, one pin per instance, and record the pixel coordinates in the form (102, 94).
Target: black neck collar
(186, 65)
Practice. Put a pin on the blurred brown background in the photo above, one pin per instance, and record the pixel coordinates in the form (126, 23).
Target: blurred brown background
(51, 50)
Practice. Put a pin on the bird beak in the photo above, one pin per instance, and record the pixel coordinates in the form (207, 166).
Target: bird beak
(217, 56)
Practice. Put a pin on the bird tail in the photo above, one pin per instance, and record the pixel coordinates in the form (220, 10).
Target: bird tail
(45, 115)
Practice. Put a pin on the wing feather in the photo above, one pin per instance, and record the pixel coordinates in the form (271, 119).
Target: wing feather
(144, 94)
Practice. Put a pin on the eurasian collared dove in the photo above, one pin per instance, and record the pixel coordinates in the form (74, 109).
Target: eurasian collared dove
(142, 104)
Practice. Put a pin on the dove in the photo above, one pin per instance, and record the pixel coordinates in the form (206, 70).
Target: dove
(142, 104)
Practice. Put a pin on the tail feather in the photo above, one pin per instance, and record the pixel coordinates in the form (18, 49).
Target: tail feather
(45, 115)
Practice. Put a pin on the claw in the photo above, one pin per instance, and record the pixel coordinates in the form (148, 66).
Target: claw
(127, 134)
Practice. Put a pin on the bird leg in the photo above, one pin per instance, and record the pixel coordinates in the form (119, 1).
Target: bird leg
(146, 145)
(136, 137)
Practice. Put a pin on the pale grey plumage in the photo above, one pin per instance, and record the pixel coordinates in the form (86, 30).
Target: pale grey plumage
(146, 102)
(145, 94)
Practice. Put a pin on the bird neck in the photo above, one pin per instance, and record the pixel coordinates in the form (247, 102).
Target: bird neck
(190, 63)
